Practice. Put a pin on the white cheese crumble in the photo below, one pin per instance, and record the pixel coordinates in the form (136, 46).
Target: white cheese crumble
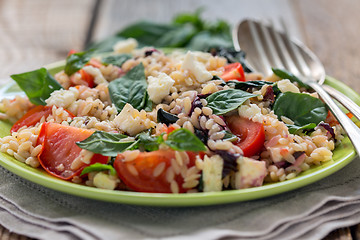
(196, 68)
(251, 173)
(159, 87)
(132, 121)
(125, 46)
(287, 86)
(63, 98)
(212, 173)
(105, 181)
(96, 73)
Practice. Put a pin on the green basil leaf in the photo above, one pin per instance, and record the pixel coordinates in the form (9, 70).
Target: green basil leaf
(301, 108)
(105, 143)
(105, 45)
(225, 101)
(147, 142)
(178, 37)
(230, 137)
(146, 33)
(116, 60)
(98, 167)
(206, 40)
(293, 129)
(248, 84)
(76, 61)
(184, 140)
(132, 89)
(287, 75)
(37, 85)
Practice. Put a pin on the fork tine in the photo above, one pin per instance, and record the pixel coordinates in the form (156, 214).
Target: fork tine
(287, 59)
(260, 49)
(295, 52)
(273, 53)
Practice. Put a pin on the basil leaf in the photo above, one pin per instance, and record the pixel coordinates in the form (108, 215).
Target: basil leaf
(116, 60)
(248, 84)
(76, 61)
(230, 137)
(105, 143)
(206, 40)
(184, 140)
(165, 117)
(287, 75)
(132, 89)
(295, 129)
(301, 108)
(225, 101)
(178, 37)
(145, 32)
(98, 167)
(37, 85)
(147, 142)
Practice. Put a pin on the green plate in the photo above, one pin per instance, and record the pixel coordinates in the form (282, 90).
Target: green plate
(343, 155)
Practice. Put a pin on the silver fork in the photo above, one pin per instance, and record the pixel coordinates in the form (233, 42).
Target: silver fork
(267, 48)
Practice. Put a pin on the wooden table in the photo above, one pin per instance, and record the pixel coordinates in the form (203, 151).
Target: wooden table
(37, 32)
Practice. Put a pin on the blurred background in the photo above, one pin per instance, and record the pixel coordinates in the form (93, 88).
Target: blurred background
(37, 32)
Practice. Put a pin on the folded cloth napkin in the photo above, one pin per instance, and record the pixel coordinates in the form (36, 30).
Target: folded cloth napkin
(307, 213)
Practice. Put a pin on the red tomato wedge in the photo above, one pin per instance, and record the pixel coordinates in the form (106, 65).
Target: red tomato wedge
(33, 116)
(138, 174)
(251, 134)
(233, 71)
(59, 149)
(89, 79)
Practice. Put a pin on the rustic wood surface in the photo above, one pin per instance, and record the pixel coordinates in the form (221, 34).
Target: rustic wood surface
(37, 32)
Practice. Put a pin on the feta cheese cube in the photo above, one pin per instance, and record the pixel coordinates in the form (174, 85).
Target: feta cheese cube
(132, 121)
(212, 173)
(63, 98)
(287, 86)
(197, 68)
(105, 181)
(159, 87)
(125, 46)
(251, 173)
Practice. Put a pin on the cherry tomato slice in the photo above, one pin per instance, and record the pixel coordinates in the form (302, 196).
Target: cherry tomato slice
(59, 150)
(139, 174)
(34, 116)
(251, 134)
(89, 79)
(234, 71)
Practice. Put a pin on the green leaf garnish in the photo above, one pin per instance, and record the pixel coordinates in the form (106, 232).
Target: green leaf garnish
(116, 60)
(98, 167)
(224, 101)
(132, 89)
(76, 61)
(37, 85)
(105, 143)
(184, 140)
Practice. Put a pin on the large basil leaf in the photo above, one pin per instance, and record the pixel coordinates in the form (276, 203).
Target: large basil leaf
(184, 140)
(301, 108)
(145, 32)
(205, 40)
(295, 129)
(98, 167)
(116, 60)
(76, 61)
(248, 84)
(225, 101)
(287, 75)
(132, 89)
(38, 85)
(105, 143)
(146, 142)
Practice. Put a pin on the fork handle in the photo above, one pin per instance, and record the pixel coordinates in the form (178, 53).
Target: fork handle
(349, 126)
(344, 100)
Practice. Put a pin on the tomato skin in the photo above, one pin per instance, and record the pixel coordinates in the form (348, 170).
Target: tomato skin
(59, 148)
(145, 164)
(34, 116)
(251, 134)
(233, 71)
(89, 79)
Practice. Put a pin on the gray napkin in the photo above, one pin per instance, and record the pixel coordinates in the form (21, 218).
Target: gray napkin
(307, 213)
